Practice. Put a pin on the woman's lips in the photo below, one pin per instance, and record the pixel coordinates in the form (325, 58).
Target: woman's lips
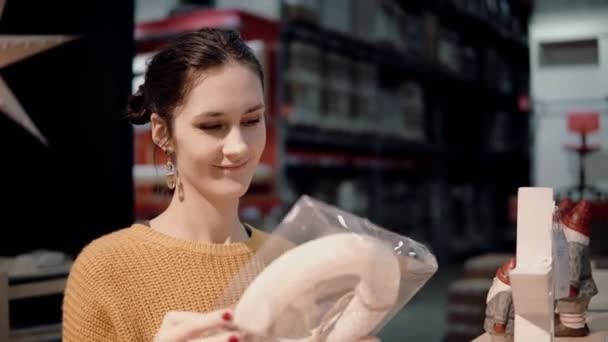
(232, 167)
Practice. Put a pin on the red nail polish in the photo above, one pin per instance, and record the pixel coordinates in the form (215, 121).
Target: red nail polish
(227, 316)
(233, 339)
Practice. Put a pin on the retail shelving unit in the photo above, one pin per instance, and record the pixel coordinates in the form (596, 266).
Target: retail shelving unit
(450, 183)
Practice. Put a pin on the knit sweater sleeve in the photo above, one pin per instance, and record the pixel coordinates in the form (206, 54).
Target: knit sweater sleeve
(85, 317)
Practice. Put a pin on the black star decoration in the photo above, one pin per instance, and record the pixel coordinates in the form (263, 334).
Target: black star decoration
(14, 48)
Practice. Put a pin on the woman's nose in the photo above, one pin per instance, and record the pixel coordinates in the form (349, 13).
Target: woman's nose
(235, 146)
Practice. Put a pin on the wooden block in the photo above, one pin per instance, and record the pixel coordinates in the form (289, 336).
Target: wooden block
(532, 294)
(534, 223)
(531, 279)
(483, 338)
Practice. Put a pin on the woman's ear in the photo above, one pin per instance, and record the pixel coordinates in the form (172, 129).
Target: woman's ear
(160, 133)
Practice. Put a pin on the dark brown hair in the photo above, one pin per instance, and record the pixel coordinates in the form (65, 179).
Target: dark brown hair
(172, 71)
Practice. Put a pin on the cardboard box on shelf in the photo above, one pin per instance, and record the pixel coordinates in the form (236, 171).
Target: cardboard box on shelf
(505, 15)
(413, 32)
(398, 26)
(352, 196)
(389, 117)
(338, 71)
(449, 51)
(365, 84)
(411, 107)
(336, 16)
(497, 74)
(305, 100)
(365, 76)
(506, 78)
(337, 110)
(304, 62)
(303, 80)
(469, 63)
(499, 132)
(364, 18)
(364, 110)
(430, 35)
(498, 13)
(338, 92)
(386, 26)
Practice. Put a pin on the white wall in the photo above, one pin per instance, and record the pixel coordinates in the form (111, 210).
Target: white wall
(553, 165)
(556, 91)
(570, 82)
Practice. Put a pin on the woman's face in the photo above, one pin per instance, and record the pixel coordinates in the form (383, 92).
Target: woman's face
(219, 132)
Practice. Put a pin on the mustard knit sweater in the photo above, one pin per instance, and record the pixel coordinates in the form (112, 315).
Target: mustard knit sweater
(122, 284)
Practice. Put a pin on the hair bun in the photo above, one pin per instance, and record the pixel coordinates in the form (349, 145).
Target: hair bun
(138, 112)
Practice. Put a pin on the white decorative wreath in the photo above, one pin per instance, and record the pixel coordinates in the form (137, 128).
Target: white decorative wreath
(299, 271)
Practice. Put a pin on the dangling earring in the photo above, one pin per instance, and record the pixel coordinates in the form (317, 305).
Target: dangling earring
(171, 177)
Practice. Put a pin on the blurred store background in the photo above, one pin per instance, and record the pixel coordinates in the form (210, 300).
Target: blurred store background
(423, 116)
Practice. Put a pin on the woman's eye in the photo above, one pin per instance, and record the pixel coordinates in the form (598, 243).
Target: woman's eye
(251, 122)
(211, 127)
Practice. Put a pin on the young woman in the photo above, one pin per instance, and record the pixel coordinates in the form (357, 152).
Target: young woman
(204, 97)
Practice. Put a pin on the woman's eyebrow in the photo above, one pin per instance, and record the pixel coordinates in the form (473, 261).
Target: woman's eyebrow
(215, 114)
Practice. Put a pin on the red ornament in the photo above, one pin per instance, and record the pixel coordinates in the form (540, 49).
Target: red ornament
(503, 271)
(573, 291)
(564, 206)
(578, 218)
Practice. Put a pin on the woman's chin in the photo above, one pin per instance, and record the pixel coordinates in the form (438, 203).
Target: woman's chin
(231, 188)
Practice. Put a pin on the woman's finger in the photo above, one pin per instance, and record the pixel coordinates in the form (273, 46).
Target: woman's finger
(223, 337)
(369, 339)
(177, 317)
(194, 324)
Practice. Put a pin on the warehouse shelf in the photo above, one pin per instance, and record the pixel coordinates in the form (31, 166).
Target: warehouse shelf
(417, 67)
(315, 138)
(477, 29)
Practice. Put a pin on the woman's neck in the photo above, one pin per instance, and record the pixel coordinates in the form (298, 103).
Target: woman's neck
(198, 219)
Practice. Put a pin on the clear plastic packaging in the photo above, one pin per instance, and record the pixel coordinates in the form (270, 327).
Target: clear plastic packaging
(326, 275)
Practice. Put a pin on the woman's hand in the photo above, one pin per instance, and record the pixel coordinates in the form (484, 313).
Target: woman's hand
(178, 326)
(215, 326)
